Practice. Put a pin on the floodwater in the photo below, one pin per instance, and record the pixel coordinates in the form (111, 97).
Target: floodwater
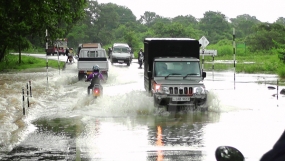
(62, 123)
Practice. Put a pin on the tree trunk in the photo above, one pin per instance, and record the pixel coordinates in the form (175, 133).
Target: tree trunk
(2, 52)
(20, 57)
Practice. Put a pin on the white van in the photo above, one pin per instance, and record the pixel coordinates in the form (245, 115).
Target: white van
(121, 53)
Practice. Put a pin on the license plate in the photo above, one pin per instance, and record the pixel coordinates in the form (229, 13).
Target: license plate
(96, 94)
(180, 98)
(120, 61)
(89, 73)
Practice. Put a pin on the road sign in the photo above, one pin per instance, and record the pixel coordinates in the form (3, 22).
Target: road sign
(204, 42)
(209, 52)
(240, 45)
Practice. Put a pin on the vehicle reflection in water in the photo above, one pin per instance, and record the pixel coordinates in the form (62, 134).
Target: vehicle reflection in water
(159, 143)
(179, 136)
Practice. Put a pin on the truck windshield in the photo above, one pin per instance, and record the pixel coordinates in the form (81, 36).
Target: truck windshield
(167, 68)
(120, 49)
(92, 54)
(60, 43)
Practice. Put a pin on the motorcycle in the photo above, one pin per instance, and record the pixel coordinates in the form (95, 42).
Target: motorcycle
(70, 59)
(228, 153)
(97, 90)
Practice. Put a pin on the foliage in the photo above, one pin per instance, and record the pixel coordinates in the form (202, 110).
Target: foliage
(263, 35)
(85, 21)
(21, 20)
(244, 25)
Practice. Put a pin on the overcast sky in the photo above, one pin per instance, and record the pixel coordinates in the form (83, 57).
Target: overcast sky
(263, 10)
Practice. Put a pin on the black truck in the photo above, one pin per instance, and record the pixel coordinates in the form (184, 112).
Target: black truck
(173, 74)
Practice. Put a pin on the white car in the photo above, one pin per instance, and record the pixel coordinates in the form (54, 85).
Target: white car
(121, 53)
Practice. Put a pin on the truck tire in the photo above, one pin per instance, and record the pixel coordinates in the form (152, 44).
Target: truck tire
(155, 103)
(80, 76)
(128, 63)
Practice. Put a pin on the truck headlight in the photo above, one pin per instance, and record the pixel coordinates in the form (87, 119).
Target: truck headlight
(199, 90)
(163, 90)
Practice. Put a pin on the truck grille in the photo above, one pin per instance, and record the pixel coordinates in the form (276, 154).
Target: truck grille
(181, 90)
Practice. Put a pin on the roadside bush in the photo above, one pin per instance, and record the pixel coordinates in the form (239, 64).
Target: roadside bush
(281, 71)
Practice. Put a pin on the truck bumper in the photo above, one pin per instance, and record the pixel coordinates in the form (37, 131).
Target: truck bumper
(121, 60)
(179, 100)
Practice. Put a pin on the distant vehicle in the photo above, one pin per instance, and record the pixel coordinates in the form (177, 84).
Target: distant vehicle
(59, 45)
(91, 54)
(121, 53)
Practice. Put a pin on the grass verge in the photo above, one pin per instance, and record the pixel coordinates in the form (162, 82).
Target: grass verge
(254, 63)
(11, 63)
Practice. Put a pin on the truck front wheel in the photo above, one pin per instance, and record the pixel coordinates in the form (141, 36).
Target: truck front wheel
(155, 102)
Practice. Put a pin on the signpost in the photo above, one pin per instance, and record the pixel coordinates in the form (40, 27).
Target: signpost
(209, 52)
(241, 45)
(204, 42)
(47, 55)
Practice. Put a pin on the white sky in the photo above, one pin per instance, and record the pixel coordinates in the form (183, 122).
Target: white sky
(263, 10)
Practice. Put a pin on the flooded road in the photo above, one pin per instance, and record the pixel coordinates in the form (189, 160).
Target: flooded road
(62, 123)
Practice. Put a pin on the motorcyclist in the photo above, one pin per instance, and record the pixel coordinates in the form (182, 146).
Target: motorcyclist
(132, 53)
(140, 57)
(67, 54)
(95, 78)
(277, 153)
(109, 52)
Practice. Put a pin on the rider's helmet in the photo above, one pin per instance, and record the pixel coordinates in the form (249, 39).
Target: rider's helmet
(96, 68)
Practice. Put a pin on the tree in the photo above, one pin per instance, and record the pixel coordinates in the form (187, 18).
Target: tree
(215, 26)
(244, 25)
(280, 20)
(20, 19)
(147, 18)
(263, 35)
(186, 20)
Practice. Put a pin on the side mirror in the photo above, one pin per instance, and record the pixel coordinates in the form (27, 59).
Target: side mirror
(227, 153)
(204, 74)
(149, 74)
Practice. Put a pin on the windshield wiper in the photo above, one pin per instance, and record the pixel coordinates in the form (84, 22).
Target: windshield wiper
(171, 74)
(189, 75)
